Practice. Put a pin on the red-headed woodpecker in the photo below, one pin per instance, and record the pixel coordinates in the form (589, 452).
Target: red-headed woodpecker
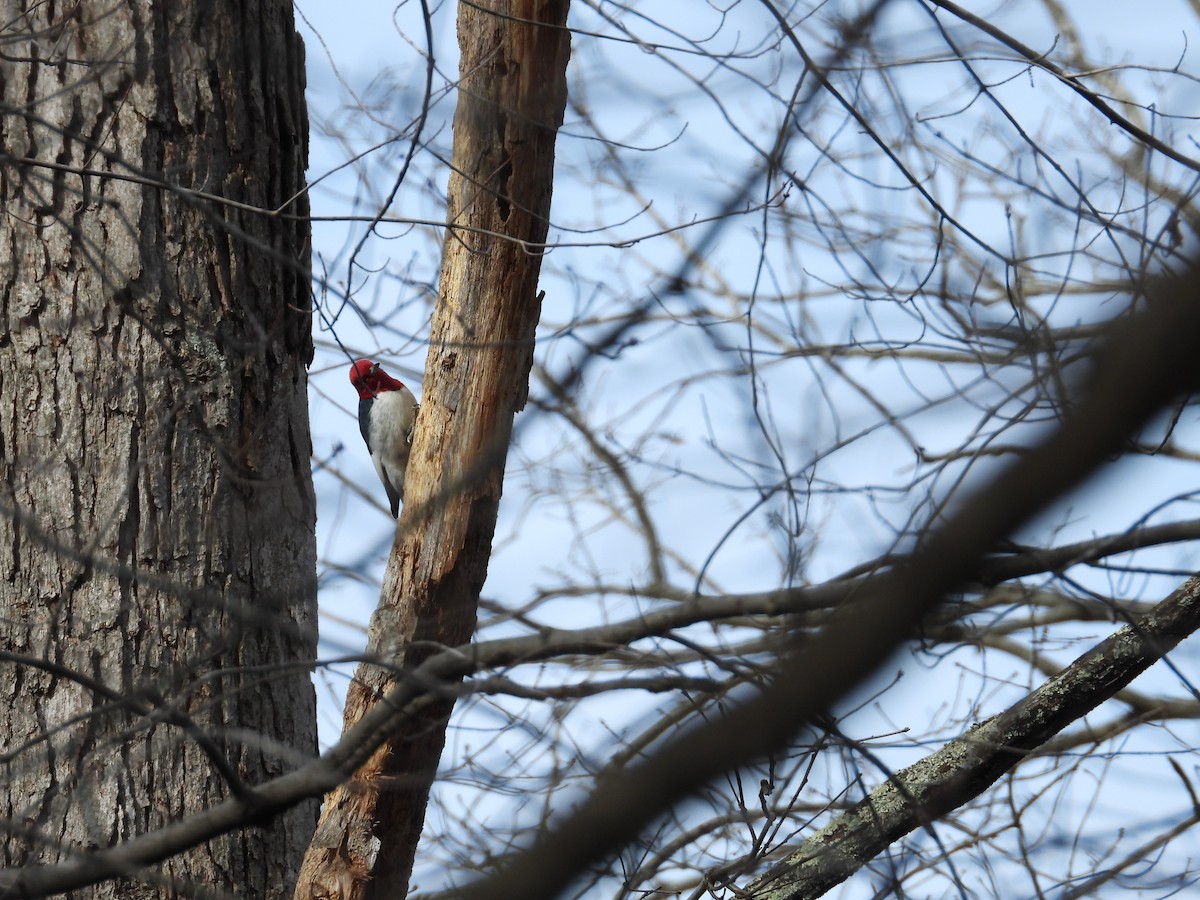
(386, 412)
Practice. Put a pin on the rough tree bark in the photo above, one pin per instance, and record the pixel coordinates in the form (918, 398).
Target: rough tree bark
(511, 101)
(157, 551)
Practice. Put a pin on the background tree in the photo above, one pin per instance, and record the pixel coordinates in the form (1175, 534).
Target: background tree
(158, 549)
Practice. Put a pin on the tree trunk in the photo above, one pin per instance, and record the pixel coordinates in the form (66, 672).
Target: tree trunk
(157, 553)
(511, 102)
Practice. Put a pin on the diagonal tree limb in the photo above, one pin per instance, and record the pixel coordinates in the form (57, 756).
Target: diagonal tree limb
(1140, 135)
(968, 765)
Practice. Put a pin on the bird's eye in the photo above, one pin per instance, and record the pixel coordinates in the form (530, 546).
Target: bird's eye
(371, 372)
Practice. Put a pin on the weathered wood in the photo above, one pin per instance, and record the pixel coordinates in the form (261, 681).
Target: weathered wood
(157, 551)
(511, 102)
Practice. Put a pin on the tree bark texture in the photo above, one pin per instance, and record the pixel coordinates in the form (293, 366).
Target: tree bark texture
(511, 101)
(157, 550)
(966, 767)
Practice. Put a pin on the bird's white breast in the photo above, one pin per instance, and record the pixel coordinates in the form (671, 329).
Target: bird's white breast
(392, 416)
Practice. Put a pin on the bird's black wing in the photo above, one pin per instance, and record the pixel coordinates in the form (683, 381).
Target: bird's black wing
(364, 419)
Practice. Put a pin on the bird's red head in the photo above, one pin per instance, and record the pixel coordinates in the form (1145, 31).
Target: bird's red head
(370, 380)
